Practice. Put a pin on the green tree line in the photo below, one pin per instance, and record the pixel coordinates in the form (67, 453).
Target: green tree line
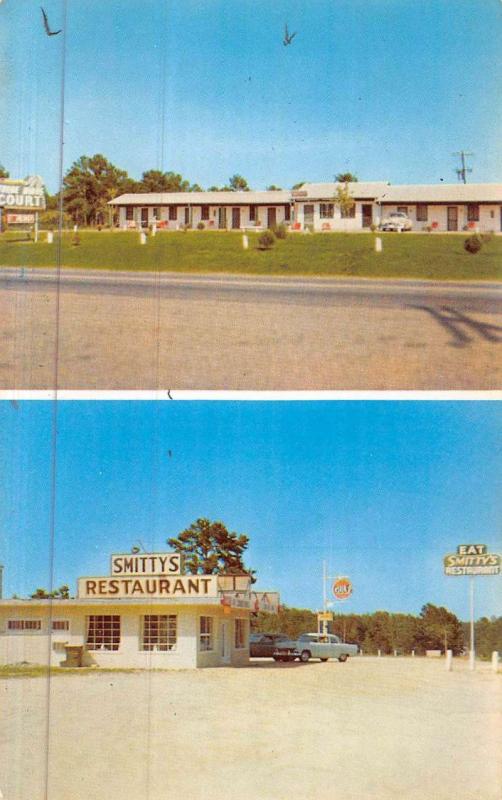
(435, 628)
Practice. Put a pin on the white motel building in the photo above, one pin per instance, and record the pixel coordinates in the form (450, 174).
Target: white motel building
(433, 207)
(144, 614)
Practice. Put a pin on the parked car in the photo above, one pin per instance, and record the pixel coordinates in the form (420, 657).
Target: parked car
(262, 645)
(396, 221)
(315, 645)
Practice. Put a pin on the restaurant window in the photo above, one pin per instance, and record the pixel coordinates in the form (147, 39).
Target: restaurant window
(129, 212)
(173, 212)
(60, 624)
(287, 212)
(24, 625)
(103, 632)
(204, 212)
(252, 213)
(326, 210)
(421, 212)
(472, 212)
(240, 634)
(206, 633)
(348, 213)
(159, 632)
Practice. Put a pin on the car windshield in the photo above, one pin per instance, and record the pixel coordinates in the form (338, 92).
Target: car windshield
(397, 214)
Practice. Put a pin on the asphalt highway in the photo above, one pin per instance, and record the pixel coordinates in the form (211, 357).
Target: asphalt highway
(91, 329)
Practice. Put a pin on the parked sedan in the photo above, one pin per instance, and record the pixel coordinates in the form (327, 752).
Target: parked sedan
(263, 645)
(396, 221)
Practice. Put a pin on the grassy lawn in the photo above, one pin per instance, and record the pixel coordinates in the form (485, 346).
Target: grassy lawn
(435, 256)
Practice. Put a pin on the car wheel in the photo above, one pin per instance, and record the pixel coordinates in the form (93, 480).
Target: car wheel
(343, 657)
(323, 659)
(304, 656)
(277, 658)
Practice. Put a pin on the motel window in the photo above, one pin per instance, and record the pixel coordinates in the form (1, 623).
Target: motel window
(472, 212)
(24, 625)
(173, 213)
(60, 625)
(206, 633)
(252, 213)
(103, 632)
(156, 213)
(421, 212)
(327, 210)
(348, 213)
(129, 212)
(159, 632)
(403, 209)
(287, 212)
(240, 634)
(204, 212)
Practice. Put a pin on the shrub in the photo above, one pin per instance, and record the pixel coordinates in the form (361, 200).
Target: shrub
(473, 244)
(373, 227)
(266, 240)
(280, 231)
(200, 226)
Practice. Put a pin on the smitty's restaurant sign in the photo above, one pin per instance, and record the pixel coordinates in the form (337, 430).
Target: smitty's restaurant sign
(147, 575)
(472, 559)
(27, 194)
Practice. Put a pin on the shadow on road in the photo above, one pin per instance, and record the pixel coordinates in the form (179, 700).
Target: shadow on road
(455, 323)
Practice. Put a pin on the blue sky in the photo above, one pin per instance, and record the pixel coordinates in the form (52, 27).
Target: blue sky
(388, 89)
(380, 490)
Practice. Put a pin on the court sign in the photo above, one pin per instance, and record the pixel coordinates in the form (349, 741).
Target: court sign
(472, 559)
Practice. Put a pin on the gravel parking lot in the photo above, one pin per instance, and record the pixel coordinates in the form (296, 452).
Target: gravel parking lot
(371, 728)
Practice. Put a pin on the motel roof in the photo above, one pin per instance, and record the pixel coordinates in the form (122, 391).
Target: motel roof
(443, 193)
(202, 198)
(113, 601)
(363, 190)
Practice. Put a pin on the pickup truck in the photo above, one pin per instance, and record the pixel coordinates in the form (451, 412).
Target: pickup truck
(314, 645)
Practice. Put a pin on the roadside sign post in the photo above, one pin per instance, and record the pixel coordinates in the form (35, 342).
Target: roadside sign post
(341, 589)
(471, 560)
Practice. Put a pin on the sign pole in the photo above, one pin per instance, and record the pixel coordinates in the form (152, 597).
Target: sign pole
(324, 599)
(472, 654)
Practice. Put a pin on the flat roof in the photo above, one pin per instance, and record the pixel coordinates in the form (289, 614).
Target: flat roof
(202, 198)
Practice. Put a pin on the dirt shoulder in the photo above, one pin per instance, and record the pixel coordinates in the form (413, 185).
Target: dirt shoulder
(381, 729)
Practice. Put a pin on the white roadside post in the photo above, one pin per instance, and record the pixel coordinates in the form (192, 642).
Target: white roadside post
(154, 227)
(142, 237)
(378, 244)
(36, 227)
(495, 661)
(50, 237)
(449, 660)
(245, 245)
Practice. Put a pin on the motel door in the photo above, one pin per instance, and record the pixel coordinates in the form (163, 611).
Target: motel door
(308, 215)
(367, 215)
(271, 217)
(224, 646)
(144, 218)
(236, 218)
(222, 218)
(452, 218)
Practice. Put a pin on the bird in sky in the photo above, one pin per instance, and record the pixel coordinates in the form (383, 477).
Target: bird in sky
(46, 24)
(288, 37)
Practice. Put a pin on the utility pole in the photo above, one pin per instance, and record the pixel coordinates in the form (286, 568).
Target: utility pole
(464, 169)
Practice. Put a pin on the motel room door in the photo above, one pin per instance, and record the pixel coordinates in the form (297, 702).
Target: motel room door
(222, 218)
(224, 643)
(367, 215)
(236, 218)
(271, 217)
(452, 218)
(144, 218)
(308, 215)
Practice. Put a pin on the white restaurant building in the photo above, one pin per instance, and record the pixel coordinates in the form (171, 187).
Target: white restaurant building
(145, 614)
(434, 207)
